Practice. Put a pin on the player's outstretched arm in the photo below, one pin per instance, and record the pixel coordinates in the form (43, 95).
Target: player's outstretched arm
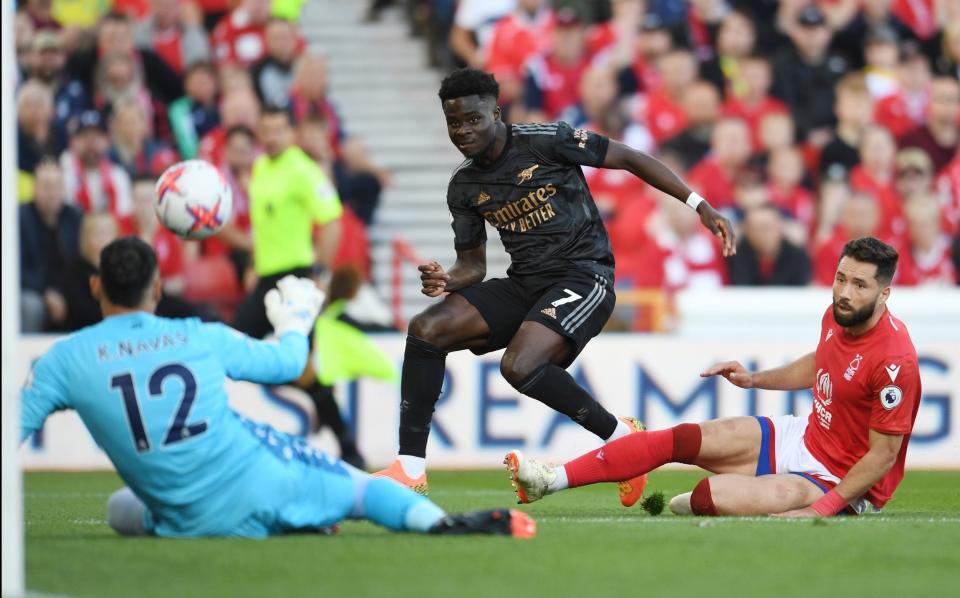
(866, 472)
(796, 375)
(655, 173)
(469, 269)
(292, 308)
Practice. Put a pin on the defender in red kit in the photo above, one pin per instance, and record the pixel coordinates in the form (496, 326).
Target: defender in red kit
(847, 456)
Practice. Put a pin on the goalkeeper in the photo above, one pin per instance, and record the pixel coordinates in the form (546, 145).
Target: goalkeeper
(151, 392)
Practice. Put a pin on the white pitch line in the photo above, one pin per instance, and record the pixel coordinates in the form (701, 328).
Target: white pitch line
(708, 522)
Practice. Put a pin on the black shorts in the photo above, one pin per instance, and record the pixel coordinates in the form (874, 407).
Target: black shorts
(575, 305)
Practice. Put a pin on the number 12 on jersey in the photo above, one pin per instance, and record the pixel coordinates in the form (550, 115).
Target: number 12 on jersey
(179, 430)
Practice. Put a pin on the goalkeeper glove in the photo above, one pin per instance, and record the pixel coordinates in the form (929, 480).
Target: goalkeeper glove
(294, 305)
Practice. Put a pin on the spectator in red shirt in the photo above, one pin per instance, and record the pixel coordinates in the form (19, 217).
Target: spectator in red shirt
(661, 108)
(93, 183)
(553, 80)
(735, 41)
(930, 259)
(693, 256)
(132, 148)
(859, 217)
(905, 110)
(174, 30)
(874, 176)
(714, 176)
(940, 137)
(754, 102)
(785, 174)
(515, 39)
(239, 37)
(239, 107)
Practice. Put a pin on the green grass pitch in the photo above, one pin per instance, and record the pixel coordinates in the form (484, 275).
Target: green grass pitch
(588, 546)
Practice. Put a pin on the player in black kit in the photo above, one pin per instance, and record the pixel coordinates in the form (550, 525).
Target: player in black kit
(525, 180)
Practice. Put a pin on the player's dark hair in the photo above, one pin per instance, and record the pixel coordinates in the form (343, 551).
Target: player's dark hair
(127, 267)
(468, 82)
(874, 251)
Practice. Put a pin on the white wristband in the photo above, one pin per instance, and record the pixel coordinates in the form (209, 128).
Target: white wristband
(694, 200)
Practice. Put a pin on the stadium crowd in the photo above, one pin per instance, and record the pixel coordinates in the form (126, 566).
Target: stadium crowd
(808, 122)
(108, 96)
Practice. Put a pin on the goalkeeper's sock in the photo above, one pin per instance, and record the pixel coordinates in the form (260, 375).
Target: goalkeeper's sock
(634, 455)
(387, 503)
(420, 386)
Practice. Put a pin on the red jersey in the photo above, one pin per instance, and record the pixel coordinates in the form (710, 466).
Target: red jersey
(866, 382)
(663, 117)
(169, 250)
(753, 114)
(558, 84)
(895, 113)
(238, 40)
(710, 180)
(213, 145)
(515, 39)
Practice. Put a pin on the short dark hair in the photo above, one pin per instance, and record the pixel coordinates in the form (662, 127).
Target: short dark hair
(127, 267)
(467, 82)
(874, 251)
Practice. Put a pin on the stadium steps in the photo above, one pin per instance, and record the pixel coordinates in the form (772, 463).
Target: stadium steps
(386, 95)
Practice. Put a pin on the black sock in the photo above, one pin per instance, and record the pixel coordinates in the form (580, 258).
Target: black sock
(420, 386)
(555, 388)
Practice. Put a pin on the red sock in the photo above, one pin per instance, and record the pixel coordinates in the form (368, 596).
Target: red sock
(701, 500)
(635, 454)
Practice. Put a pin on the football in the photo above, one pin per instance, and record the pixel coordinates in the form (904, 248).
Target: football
(194, 201)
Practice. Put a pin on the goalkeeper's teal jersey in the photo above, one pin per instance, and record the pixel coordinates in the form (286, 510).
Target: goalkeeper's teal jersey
(151, 392)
